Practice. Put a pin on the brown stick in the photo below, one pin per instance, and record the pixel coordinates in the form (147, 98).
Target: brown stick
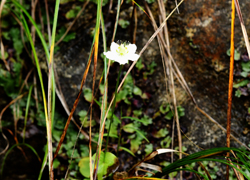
(74, 106)
(230, 86)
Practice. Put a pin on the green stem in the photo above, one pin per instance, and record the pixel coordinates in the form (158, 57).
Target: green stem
(113, 108)
(26, 112)
(119, 140)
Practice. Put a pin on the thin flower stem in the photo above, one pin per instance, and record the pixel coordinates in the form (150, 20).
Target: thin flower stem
(96, 42)
(113, 108)
(117, 18)
(131, 67)
(119, 140)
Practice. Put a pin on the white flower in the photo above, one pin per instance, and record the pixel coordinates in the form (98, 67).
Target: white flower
(122, 53)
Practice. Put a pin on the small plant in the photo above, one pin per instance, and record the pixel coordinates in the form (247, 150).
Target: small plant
(242, 82)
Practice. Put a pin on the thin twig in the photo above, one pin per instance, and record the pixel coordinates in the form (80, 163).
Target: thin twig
(71, 25)
(169, 62)
(230, 85)
(1, 115)
(244, 31)
(48, 21)
(135, 24)
(1, 42)
(74, 106)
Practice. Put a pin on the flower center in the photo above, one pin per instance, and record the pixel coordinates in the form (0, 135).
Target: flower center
(122, 50)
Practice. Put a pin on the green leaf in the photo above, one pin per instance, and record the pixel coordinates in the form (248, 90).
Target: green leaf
(139, 64)
(137, 113)
(17, 68)
(169, 115)
(181, 111)
(245, 66)
(16, 38)
(148, 149)
(141, 133)
(108, 163)
(127, 101)
(244, 74)
(127, 150)
(238, 93)
(73, 12)
(135, 143)
(241, 83)
(137, 91)
(173, 174)
(183, 149)
(87, 94)
(65, 1)
(236, 54)
(161, 133)
(56, 135)
(84, 119)
(114, 126)
(57, 48)
(56, 163)
(164, 108)
(128, 80)
(146, 120)
(83, 115)
(5, 55)
(110, 135)
(129, 128)
(11, 82)
(151, 68)
(101, 88)
(6, 35)
(121, 95)
(144, 96)
(67, 38)
(165, 143)
(134, 119)
(123, 23)
(150, 1)
(84, 167)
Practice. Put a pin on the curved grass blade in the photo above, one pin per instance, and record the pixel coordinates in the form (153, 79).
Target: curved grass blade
(132, 118)
(26, 111)
(96, 43)
(191, 170)
(201, 156)
(51, 91)
(26, 28)
(45, 46)
(1, 115)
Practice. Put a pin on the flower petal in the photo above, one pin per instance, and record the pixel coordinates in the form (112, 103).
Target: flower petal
(113, 47)
(111, 55)
(121, 60)
(131, 48)
(133, 57)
